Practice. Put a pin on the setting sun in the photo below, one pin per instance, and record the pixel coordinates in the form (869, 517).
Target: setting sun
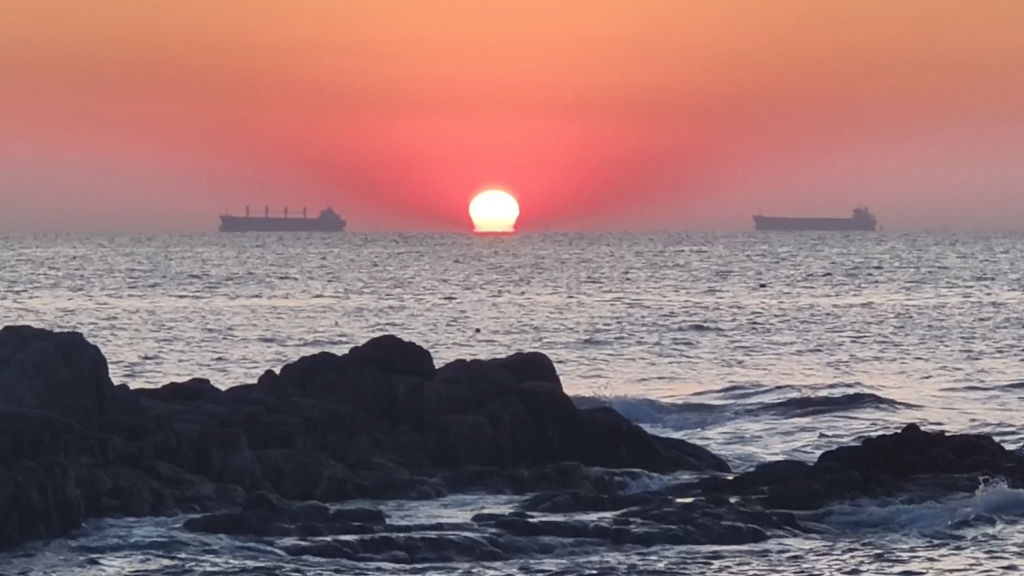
(494, 211)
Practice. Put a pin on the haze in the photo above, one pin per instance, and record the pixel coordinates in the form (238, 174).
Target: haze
(597, 114)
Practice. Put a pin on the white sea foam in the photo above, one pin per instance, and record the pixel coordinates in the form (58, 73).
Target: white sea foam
(994, 502)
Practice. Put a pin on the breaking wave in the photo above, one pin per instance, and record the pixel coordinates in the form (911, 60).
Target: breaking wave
(992, 504)
(696, 415)
(806, 406)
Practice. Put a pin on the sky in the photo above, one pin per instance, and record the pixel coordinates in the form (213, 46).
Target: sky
(158, 116)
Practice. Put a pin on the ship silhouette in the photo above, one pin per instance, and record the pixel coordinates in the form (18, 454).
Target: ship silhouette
(862, 220)
(328, 221)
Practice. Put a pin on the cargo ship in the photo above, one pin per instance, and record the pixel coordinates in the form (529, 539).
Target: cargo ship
(328, 221)
(862, 220)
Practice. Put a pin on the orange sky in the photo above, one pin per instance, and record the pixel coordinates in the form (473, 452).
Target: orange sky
(597, 114)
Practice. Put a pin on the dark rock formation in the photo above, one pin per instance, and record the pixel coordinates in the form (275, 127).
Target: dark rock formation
(267, 515)
(53, 388)
(267, 460)
(58, 372)
(193, 390)
(912, 463)
(38, 500)
(32, 434)
(378, 422)
(392, 355)
(612, 441)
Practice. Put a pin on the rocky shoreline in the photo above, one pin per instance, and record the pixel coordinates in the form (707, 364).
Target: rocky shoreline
(283, 459)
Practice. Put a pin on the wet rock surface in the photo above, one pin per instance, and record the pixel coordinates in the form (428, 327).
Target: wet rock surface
(283, 459)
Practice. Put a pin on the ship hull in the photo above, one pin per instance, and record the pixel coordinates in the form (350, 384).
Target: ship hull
(813, 224)
(246, 224)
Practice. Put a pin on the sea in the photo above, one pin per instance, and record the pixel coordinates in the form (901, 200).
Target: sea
(757, 346)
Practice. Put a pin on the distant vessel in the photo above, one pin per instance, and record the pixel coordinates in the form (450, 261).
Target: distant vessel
(328, 221)
(862, 220)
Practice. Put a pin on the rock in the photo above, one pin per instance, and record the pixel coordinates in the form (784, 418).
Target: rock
(265, 501)
(486, 517)
(268, 431)
(580, 501)
(332, 550)
(182, 489)
(913, 452)
(298, 475)
(166, 446)
(678, 454)
(361, 387)
(912, 463)
(506, 412)
(610, 440)
(224, 457)
(115, 450)
(261, 459)
(249, 523)
(466, 386)
(137, 493)
(38, 500)
(58, 372)
(397, 486)
(229, 496)
(92, 485)
(526, 367)
(554, 424)
(307, 371)
(464, 440)
(510, 424)
(309, 512)
(392, 355)
(268, 379)
(130, 417)
(533, 423)
(193, 390)
(31, 434)
(711, 522)
(782, 485)
(371, 516)
(269, 516)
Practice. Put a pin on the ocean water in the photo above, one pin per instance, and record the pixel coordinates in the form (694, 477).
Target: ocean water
(758, 346)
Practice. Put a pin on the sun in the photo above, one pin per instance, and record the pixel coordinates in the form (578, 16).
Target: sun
(494, 211)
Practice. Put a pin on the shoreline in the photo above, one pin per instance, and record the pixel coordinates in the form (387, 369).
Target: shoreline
(275, 459)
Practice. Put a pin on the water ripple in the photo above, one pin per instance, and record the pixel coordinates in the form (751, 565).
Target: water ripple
(757, 346)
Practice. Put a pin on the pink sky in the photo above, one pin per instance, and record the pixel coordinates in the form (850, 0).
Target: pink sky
(596, 114)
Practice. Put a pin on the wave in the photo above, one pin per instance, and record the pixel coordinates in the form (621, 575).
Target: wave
(698, 327)
(1012, 386)
(639, 481)
(700, 415)
(676, 416)
(806, 406)
(993, 503)
(755, 390)
(320, 343)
